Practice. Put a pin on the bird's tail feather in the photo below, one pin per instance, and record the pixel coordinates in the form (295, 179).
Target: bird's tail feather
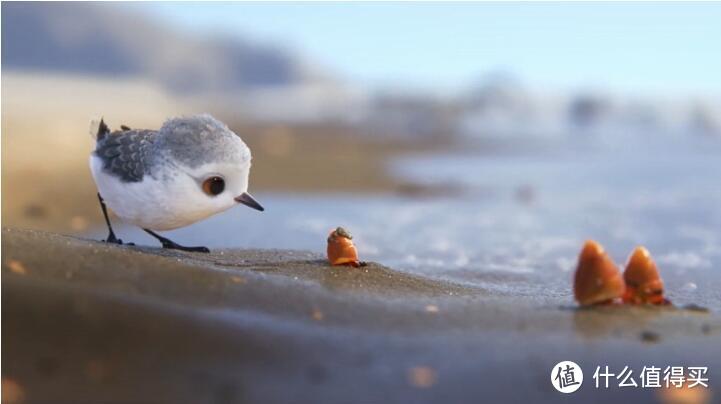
(98, 129)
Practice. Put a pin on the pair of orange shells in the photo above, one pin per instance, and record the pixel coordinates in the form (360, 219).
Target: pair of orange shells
(598, 280)
(341, 250)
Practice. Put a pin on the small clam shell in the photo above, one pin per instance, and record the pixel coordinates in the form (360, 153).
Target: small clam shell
(643, 281)
(597, 279)
(341, 250)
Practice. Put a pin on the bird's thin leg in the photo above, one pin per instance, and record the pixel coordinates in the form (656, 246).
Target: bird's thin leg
(175, 246)
(111, 235)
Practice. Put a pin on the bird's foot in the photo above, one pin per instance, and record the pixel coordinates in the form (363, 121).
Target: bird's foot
(114, 240)
(171, 245)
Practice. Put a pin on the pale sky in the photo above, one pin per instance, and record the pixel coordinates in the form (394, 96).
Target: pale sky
(663, 48)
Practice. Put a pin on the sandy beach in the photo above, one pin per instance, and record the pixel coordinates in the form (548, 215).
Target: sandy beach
(141, 324)
(495, 165)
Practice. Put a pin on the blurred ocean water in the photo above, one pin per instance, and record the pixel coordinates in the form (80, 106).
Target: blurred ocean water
(520, 221)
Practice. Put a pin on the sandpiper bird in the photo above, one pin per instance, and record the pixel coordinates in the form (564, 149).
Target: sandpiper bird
(190, 169)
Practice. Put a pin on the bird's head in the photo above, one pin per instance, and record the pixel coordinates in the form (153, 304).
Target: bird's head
(212, 165)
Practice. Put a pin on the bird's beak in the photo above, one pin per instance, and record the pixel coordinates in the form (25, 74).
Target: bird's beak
(248, 201)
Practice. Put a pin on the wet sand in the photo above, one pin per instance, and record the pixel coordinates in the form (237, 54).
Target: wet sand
(88, 322)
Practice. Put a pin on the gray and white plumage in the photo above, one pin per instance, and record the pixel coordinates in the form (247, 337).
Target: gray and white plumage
(154, 178)
(127, 153)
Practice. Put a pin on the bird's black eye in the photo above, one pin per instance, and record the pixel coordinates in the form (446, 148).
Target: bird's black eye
(213, 186)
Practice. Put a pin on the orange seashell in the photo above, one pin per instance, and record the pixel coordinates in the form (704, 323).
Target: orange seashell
(597, 279)
(341, 250)
(643, 282)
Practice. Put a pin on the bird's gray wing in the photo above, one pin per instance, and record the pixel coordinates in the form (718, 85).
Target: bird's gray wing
(127, 154)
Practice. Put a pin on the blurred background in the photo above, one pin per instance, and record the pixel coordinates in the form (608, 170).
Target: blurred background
(481, 142)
